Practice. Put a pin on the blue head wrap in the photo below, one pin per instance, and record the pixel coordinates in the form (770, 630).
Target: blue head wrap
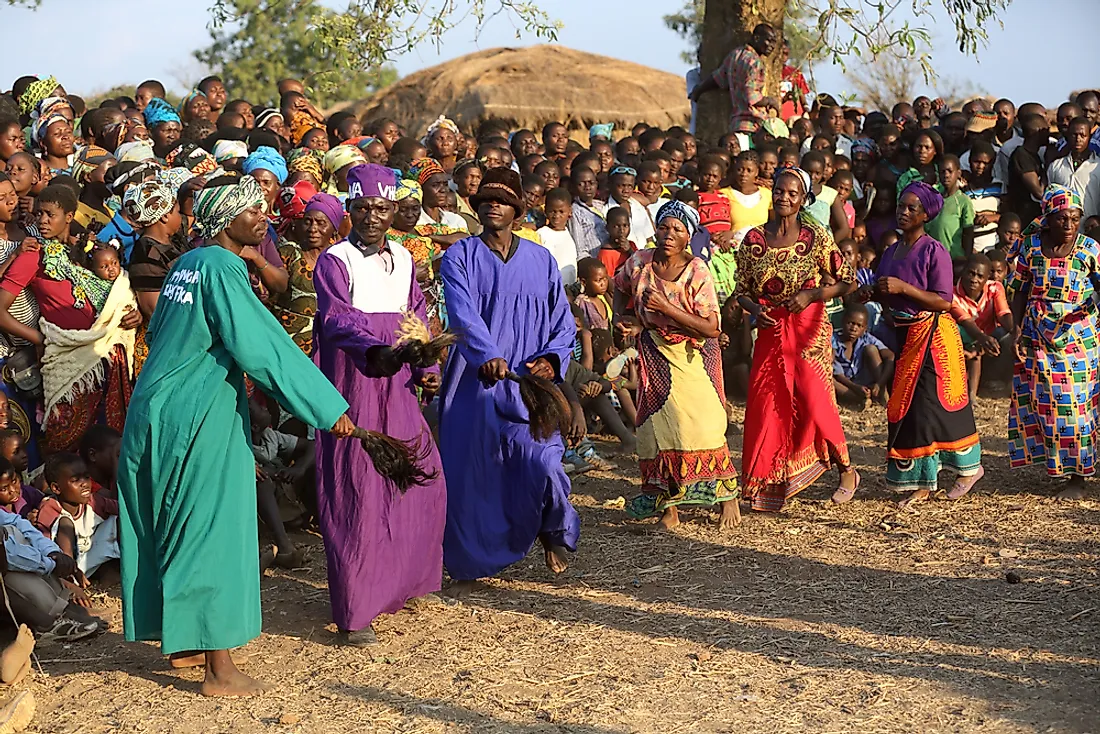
(602, 130)
(268, 159)
(158, 111)
(679, 210)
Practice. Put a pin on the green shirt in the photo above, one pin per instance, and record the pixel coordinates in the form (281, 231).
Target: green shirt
(947, 228)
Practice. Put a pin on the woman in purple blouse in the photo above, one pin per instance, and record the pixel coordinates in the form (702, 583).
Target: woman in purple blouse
(931, 418)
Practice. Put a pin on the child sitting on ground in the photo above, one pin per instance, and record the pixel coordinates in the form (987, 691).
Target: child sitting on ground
(862, 365)
(555, 236)
(618, 248)
(595, 307)
(28, 499)
(84, 524)
(1009, 232)
(283, 466)
(100, 447)
(1000, 264)
(981, 309)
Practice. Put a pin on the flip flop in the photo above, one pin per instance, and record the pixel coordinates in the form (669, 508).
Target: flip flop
(963, 485)
(842, 495)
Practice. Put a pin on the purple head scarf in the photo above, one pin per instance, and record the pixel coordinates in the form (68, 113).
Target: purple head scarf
(328, 205)
(929, 198)
(373, 181)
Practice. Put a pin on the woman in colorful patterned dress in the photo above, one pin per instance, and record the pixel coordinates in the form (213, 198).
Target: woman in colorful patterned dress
(423, 250)
(786, 271)
(681, 402)
(296, 307)
(929, 412)
(1056, 386)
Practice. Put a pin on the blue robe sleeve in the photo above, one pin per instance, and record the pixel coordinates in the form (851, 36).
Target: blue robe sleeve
(563, 327)
(475, 343)
(262, 349)
(344, 326)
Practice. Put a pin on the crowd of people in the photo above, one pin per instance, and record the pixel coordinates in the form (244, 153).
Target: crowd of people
(201, 303)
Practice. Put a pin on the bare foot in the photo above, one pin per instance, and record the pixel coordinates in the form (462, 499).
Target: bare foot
(920, 495)
(1074, 489)
(223, 678)
(731, 515)
(358, 638)
(460, 589)
(16, 656)
(197, 659)
(428, 601)
(669, 520)
(289, 560)
(556, 558)
(963, 485)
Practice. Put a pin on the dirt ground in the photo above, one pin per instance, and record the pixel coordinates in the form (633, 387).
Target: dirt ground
(822, 619)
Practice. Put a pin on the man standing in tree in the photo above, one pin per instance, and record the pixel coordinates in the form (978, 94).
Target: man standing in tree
(742, 73)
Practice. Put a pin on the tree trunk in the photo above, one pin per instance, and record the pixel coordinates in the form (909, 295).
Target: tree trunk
(728, 24)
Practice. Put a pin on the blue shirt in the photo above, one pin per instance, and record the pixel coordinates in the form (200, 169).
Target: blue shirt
(700, 244)
(28, 550)
(851, 367)
(121, 230)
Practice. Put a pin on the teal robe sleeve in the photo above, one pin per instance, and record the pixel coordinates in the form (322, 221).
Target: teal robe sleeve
(263, 350)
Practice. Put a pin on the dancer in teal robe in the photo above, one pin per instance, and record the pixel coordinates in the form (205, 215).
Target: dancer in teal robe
(187, 477)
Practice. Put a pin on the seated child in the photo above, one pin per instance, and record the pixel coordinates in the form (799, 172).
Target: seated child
(862, 365)
(33, 569)
(283, 467)
(981, 308)
(554, 235)
(26, 501)
(99, 447)
(593, 302)
(618, 248)
(84, 524)
(865, 271)
(1009, 232)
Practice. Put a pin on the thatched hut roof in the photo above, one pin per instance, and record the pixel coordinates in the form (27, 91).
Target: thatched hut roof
(531, 86)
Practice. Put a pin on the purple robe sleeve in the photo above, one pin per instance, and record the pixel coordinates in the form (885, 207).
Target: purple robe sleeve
(940, 276)
(345, 327)
(563, 327)
(475, 342)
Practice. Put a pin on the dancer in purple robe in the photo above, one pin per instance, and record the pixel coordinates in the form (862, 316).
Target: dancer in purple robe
(506, 302)
(383, 547)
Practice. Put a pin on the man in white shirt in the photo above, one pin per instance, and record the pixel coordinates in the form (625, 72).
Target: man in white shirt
(1005, 137)
(1079, 169)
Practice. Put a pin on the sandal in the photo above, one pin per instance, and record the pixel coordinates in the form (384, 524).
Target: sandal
(843, 495)
(68, 630)
(964, 484)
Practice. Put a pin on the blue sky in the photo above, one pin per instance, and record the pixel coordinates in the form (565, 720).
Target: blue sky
(1019, 62)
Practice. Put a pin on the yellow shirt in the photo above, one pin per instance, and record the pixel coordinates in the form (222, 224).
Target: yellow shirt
(748, 210)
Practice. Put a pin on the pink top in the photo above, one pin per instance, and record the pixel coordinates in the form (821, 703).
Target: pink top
(693, 291)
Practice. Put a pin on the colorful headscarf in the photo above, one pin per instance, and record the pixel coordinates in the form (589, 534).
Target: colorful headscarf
(227, 150)
(195, 159)
(130, 172)
(409, 189)
(300, 125)
(364, 141)
(602, 130)
(1056, 198)
(328, 205)
(930, 199)
(424, 169)
(306, 160)
(679, 210)
(159, 111)
(342, 155)
(46, 113)
(267, 116)
(804, 179)
(147, 202)
(36, 92)
(87, 287)
(443, 122)
(865, 145)
(290, 204)
(268, 159)
(190, 96)
(137, 151)
(174, 178)
(87, 160)
(776, 128)
(216, 208)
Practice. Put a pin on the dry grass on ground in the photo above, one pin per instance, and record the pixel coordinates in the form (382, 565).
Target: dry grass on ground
(823, 619)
